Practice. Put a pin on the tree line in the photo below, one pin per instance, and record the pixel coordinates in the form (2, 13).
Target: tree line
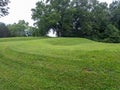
(19, 29)
(68, 18)
(78, 18)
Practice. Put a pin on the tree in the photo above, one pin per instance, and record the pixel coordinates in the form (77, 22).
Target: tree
(4, 32)
(77, 18)
(3, 7)
(81, 18)
(112, 34)
(18, 29)
(51, 15)
(39, 16)
(115, 13)
(70, 18)
(100, 18)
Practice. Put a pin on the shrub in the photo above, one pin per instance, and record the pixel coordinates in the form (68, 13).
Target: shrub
(112, 34)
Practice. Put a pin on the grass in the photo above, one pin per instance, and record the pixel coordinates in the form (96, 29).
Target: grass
(58, 64)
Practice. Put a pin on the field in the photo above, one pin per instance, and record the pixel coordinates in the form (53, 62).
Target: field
(58, 64)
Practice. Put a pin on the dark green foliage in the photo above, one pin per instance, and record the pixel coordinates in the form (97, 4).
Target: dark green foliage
(115, 13)
(112, 34)
(78, 18)
(18, 29)
(4, 32)
(3, 8)
(35, 31)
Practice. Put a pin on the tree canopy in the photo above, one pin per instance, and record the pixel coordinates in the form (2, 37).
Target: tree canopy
(3, 7)
(78, 18)
(18, 29)
(4, 31)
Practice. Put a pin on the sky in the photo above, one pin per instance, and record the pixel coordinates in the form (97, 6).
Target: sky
(21, 10)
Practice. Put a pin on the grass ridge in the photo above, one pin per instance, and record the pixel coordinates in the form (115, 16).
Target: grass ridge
(58, 64)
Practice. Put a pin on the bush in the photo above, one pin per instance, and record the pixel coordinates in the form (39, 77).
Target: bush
(112, 34)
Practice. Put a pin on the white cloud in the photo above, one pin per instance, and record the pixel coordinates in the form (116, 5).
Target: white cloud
(19, 10)
(108, 1)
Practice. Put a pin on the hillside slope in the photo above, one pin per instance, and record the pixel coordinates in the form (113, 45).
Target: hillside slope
(58, 64)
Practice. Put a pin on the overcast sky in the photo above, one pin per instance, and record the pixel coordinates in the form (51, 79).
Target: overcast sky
(21, 10)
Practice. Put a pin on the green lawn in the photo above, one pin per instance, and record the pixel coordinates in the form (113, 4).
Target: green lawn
(58, 64)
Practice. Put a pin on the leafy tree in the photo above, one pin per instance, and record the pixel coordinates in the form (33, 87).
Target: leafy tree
(77, 18)
(35, 31)
(100, 17)
(81, 18)
(70, 18)
(115, 13)
(4, 32)
(39, 16)
(18, 29)
(3, 7)
(112, 34)
(51, 15)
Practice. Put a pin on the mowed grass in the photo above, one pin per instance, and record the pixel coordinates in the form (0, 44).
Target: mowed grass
(58, 64)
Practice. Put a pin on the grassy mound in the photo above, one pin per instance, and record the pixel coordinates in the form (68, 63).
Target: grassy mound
(58, 64)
